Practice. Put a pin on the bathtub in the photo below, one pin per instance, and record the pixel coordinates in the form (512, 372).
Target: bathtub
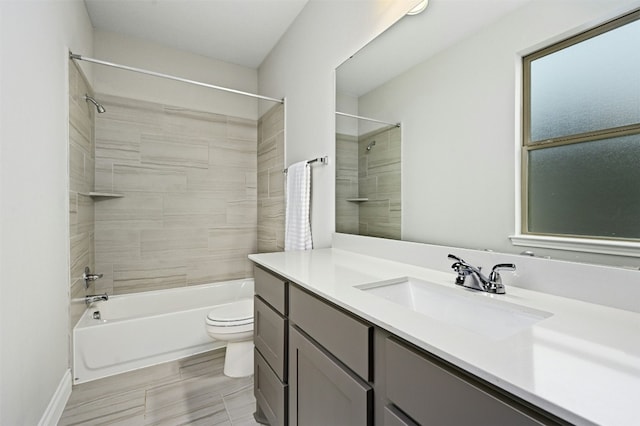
(143, 329)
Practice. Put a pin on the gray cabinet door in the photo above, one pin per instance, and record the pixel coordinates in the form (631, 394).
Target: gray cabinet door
(323, 392)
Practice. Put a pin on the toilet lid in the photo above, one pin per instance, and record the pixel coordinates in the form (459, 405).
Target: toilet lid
(232, 314)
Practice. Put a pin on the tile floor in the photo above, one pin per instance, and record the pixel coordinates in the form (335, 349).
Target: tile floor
(190, 391)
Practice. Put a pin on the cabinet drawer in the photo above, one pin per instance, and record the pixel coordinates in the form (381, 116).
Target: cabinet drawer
(347, 338)
(270, 336)
(272, 289)
(432, 394)
(271, 393)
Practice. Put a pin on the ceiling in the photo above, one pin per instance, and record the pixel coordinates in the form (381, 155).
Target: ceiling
(241, 32)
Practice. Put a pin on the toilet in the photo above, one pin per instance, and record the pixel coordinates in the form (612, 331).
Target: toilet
(233, 323)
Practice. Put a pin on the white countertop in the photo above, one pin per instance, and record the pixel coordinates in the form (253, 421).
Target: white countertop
(582, 363)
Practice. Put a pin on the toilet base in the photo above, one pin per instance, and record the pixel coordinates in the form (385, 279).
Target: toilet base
(238, 361)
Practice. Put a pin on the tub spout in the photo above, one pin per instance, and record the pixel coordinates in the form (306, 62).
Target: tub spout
(89, 299)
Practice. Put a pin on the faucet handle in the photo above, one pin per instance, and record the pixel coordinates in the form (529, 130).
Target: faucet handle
(460, 266)
(495, 280)
(503, 267)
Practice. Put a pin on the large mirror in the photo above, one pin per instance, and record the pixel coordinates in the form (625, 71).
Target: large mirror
(450, 77)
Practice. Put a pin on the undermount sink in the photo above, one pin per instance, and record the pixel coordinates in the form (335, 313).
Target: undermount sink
(492, 318)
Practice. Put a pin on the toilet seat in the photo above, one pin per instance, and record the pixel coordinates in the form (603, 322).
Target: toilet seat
(235, 314)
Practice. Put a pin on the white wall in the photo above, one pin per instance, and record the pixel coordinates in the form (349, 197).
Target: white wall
(349, 105)
(139, 53)
(34, 201)
(459, 112)
(301, 68)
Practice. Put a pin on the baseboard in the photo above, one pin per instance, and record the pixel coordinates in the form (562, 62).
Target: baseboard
(58, 401)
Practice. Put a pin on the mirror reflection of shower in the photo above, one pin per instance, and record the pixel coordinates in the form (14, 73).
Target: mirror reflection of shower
(99, 106)
(368, 175)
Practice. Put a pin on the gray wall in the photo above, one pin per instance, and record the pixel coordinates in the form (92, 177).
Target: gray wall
(189, 211)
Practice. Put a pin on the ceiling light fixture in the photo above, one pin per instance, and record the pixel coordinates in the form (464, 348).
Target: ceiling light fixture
(420, 7)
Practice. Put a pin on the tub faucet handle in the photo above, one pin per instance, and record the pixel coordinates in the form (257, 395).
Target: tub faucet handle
(88, 277)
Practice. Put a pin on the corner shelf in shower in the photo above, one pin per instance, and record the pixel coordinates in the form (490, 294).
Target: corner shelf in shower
(357, 200)
(103, 195)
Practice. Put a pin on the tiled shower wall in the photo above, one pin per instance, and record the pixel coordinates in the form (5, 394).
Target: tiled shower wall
(271, 201)
(81, 178)
(188, 214)
(374, 175)
(347, 212)
(379, 172)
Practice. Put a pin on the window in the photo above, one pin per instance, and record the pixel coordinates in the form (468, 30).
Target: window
(581, 135)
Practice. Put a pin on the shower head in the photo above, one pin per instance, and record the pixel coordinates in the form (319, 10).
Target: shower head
(99, 107)
(371, 145)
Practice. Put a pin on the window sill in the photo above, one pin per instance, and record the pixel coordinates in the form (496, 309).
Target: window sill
(612, 247)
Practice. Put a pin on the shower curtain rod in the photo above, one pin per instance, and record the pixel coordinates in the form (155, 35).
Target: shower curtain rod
(367, 118)
(170, 77)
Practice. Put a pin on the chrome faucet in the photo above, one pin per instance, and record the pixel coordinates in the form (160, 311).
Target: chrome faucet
(89, 299)
(477, 280)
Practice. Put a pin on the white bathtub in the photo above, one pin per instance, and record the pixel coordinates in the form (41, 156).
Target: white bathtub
(142, 329)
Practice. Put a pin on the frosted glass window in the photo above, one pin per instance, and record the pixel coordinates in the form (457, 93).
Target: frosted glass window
(588, 86)
(586, 189)
(581, 136)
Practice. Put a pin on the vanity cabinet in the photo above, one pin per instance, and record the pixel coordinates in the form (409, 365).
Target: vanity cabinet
(271, 342)
(317, 363)
(312, 360)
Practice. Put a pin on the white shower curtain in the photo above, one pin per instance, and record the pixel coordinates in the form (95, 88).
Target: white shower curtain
(298, 199)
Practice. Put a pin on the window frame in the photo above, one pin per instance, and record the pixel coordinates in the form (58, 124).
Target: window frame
(524, 237)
